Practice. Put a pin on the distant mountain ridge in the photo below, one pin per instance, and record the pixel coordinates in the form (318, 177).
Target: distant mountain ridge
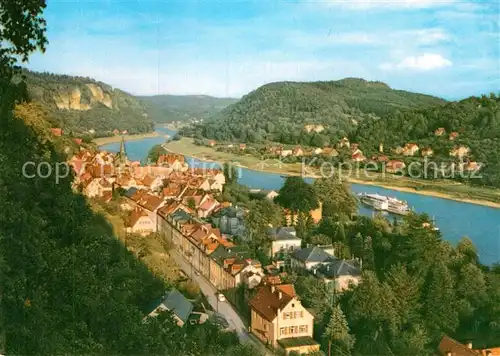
(80, 104)
(279, 111)
(168, 108)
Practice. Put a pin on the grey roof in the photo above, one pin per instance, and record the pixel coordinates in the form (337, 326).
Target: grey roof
(130, 192)
(338, 268)
(177, 303)
(283, 233)
(312, 254)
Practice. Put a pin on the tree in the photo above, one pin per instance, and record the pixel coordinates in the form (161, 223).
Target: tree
(230, 173)
(297, 196)
(440, 300)
(191, 203)
(22, 31)
(336, 197)
(337, 332)
(154, 153)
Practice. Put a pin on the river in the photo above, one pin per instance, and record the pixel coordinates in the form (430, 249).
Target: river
(455, 219)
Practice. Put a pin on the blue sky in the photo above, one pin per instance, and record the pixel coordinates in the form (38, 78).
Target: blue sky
(228, 48)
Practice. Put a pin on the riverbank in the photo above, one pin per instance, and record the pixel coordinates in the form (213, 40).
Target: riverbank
(440, 189)
(113, 139)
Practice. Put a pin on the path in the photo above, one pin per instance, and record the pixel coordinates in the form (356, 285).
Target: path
(224, 308)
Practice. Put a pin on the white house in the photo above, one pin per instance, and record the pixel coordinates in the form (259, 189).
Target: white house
(284, 240)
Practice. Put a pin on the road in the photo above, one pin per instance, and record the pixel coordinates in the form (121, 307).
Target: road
(223, 308)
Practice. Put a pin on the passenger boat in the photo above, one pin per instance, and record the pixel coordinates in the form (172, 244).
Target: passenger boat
(383, 203)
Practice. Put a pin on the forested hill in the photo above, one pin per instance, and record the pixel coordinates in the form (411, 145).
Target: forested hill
(476, 120)
(279, 111)
(67, 285)
(168, 108)
(80, 105)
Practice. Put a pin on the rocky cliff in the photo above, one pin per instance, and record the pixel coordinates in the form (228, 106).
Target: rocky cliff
(83, 105)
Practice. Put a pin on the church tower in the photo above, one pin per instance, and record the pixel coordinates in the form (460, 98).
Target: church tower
(121, 157)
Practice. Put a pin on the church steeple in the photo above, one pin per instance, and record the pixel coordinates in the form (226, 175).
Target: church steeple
(122, 155)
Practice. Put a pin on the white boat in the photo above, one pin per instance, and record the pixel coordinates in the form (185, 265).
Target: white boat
(383, 203)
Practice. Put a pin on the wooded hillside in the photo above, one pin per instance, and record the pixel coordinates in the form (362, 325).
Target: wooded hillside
(280, 111)
(168, 108)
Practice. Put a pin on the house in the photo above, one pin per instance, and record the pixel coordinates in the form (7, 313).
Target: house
(284, 240)
(284, 153)
(440, 131)
(270, 194)
(212, 143)
(395, 166)
(243, 146)
(410, 149)
(314, 128)
(124, 132)
(460, 151)
(297, 151)
(291, 218)
(310, 258)
(57, 131)
(78, 141)
(116, 132)
(139, 222)
(317, 151)
(472, 166)
(427, 152)
(230, 221)
(152, 183)
(279, 320)
(453, 136)
(380, 158)
(176, 303)
(175, 161)
(451, 347)
(358, 157)
(341, 273)
(330, 152)
(344, 142)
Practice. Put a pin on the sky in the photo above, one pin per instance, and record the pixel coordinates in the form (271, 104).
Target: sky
(450, 49)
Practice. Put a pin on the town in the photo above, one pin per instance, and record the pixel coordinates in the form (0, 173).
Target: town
(185, 207)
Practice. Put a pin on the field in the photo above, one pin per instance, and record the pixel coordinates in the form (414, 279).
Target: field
(438, 188)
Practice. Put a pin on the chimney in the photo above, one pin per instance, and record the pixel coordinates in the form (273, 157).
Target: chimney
(469, 345)
(280, 295)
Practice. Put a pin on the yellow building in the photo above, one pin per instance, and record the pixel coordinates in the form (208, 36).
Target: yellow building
(278, 319)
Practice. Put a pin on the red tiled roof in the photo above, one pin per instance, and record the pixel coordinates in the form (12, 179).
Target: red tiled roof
(57, 131)
(266, 303)
(288, 289)
(170, 158)
(78, 141)
(494, 351)
(448, 344)
(150, 202)
(107, 197)
(134, 217)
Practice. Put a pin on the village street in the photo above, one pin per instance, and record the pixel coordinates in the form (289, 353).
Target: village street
(223, 308)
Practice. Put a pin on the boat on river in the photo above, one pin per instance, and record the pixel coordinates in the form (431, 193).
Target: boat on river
(384, 203)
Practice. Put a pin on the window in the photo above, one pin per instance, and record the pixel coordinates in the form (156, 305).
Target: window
(303, 328)
(287, 316)
(282, 331)
(265, 326)
(293, 305)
